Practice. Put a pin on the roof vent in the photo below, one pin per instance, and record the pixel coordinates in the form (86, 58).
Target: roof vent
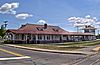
(56, 30)
(22, 26)
(40, 29)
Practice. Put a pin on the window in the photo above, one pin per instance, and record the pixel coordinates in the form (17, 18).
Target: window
(48, 37)
(22, 36)
(17, 36)
(40, 37)
(34, 38)
(56, 37)
(44, 37)
(29, 36)
(52, 37)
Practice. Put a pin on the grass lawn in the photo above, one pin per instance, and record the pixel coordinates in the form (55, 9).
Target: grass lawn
(82, 43)
(51, 47)
(63, 46)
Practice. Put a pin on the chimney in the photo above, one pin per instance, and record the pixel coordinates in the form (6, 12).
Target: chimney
(45, 26)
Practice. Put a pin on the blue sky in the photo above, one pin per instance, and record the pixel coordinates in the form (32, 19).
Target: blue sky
(55, 12)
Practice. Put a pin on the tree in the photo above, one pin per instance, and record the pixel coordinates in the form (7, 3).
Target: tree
(2, 31)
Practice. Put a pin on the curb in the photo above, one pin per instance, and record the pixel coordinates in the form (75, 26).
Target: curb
(51, 51)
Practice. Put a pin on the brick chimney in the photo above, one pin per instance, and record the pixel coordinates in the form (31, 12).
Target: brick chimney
(45, 26)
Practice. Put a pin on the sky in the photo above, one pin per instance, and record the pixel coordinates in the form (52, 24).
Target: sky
(52, 12)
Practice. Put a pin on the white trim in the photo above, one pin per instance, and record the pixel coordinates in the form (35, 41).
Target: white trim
(36, 37)
(42, 37)
(14, 58)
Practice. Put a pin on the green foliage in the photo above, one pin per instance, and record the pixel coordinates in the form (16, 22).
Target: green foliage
(8, 41)
(98, 35)
(2, 32)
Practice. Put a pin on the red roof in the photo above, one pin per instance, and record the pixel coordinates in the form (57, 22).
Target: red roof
(39, 29)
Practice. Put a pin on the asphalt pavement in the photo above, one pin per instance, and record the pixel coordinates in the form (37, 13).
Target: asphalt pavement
(17, 56)
(92, 60)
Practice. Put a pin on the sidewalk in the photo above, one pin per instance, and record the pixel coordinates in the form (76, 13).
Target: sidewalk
(95, 48)
(53, 51)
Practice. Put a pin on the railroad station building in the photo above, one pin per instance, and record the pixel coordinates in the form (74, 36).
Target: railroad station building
(34, 33)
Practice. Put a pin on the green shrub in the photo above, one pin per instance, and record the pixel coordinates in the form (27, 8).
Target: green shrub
(8, 41)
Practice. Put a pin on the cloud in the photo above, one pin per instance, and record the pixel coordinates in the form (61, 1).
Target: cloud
(78, 25)
(87, 16)
(98, 23)
(8, 8)
(23, 16)
(41, 21)
(71, 19)
(80, 21)
(75, 19)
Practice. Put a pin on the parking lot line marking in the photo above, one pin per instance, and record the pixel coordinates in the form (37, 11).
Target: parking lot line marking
(13, 53)
(14, 58)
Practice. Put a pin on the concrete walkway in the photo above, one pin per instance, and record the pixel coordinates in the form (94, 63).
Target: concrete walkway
(53, 51)
(95, 48)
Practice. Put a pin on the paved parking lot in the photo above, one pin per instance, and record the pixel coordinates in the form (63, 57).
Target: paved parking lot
(16, 56)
